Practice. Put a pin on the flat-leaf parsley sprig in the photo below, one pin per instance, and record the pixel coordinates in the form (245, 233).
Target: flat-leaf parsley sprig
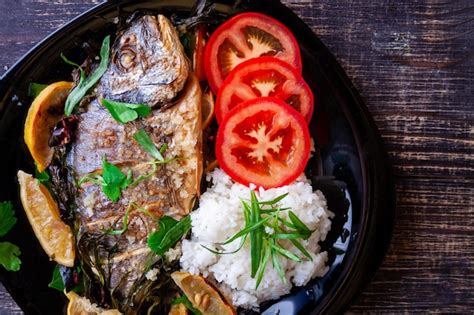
(266, 229)
(125, 112)
(112, 180)
(9, 252)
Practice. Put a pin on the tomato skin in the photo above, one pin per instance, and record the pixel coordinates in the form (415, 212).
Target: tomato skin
(229, 145)
(264, 69)
(291, 55)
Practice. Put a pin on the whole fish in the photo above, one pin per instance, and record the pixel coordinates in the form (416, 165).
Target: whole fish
(148, 66)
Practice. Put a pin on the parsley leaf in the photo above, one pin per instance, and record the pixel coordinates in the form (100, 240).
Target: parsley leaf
(124, 112)
(7, 217)
(147, 144)
(57, 281)
(9, 256)
(34, 89)
(43, 177)
(113, 181)
(85, 84)
(186, 302)
(169, 233)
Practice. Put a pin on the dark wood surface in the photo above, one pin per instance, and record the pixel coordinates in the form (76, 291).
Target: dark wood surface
(413, 63)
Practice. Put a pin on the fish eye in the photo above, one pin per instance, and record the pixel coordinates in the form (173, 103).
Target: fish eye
(125, 58)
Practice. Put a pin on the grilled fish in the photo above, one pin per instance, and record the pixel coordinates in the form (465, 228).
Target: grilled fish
(147, 66)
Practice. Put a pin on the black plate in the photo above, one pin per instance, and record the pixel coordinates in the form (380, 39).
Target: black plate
(350, 166)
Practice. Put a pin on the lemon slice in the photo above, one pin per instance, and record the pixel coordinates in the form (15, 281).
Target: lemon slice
(42, 211)
(79, 305)
(207, 108)
(201, 294)
(44, 113)
(178, 309)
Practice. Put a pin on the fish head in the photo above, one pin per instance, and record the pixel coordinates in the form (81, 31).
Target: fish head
(148, 64)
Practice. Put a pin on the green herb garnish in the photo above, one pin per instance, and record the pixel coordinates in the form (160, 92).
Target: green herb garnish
(264, 245)
(169, 233)
(85, 84)
(8, 252)
(124, 225)
(7, 217)
(34, 89)
(58, 283)
(124, 112)
(9, 256)
(112, 180)
(148, 145)
(43, 177)
(186, 302)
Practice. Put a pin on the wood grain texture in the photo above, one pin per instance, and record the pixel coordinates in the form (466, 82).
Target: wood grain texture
(413, 63)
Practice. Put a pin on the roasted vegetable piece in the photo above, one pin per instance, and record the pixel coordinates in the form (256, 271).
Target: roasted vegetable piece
(79, 305)
(202, 295)
(42, 211)
(44, 113)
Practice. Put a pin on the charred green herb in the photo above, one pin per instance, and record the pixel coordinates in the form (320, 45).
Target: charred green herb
(125, 112)
(264, 243)
(85, 84)
(8, 252)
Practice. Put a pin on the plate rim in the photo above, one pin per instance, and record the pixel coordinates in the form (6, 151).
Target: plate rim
(372, 173)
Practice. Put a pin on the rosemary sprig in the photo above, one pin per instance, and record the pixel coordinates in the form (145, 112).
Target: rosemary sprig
(265, 243)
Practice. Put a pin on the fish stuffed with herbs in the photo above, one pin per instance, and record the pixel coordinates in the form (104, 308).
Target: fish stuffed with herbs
(170, 173)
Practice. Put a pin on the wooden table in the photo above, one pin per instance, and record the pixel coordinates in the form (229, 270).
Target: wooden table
(413, 63)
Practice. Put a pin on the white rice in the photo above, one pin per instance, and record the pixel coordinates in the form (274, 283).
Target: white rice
(220, 216)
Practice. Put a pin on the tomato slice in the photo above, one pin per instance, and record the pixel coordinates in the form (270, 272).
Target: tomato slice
(262, 77)
(246, 36)
(263, 141)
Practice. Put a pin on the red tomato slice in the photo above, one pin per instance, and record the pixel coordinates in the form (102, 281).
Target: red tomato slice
(262, 77)
(263, 141)
(246, 36)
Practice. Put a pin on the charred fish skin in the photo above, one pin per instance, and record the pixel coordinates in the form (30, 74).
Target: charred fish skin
(148, 64)
(116, 264)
